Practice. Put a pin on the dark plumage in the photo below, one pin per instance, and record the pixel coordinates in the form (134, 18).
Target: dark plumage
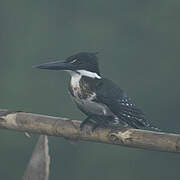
(104, 102)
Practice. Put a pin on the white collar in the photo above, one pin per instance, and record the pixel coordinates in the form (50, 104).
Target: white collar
(85, 73)
(89, 74)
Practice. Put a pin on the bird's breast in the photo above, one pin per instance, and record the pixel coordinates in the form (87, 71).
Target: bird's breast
(80, 89)
(83, 95)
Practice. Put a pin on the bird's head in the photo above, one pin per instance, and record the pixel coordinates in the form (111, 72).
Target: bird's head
(82, 63)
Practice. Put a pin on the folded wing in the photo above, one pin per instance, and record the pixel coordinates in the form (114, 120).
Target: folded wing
(120, 104)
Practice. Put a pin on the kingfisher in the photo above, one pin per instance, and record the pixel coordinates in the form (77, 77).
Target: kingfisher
(100, 99)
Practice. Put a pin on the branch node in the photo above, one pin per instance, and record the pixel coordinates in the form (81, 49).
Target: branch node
(120, 134)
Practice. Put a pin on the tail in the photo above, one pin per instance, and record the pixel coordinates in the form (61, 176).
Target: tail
(141, 123)
(146, 125)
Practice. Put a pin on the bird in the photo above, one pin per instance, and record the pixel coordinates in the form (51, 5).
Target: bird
(103, 102)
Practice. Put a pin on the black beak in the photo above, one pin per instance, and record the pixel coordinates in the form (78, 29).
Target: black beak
(58, 65)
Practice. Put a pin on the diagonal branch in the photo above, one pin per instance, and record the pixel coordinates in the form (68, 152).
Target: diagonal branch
(55, 126)
(38, 166)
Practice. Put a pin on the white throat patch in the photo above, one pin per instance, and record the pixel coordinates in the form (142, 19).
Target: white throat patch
(75, 78)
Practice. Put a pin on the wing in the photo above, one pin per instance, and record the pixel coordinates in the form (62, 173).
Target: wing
(120, 104)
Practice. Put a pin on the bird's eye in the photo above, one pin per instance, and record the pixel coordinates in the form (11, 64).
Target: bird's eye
(73, 61)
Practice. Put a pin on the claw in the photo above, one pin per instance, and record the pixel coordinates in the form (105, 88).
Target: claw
(86, 121)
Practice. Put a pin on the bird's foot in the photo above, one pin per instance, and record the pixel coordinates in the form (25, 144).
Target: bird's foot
(94, 123)
(99, 125)
(85, 122)
(90, 125)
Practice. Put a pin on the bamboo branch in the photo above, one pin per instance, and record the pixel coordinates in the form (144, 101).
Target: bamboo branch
(67, 128)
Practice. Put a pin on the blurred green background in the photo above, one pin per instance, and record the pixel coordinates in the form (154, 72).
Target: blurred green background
(138, 43)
